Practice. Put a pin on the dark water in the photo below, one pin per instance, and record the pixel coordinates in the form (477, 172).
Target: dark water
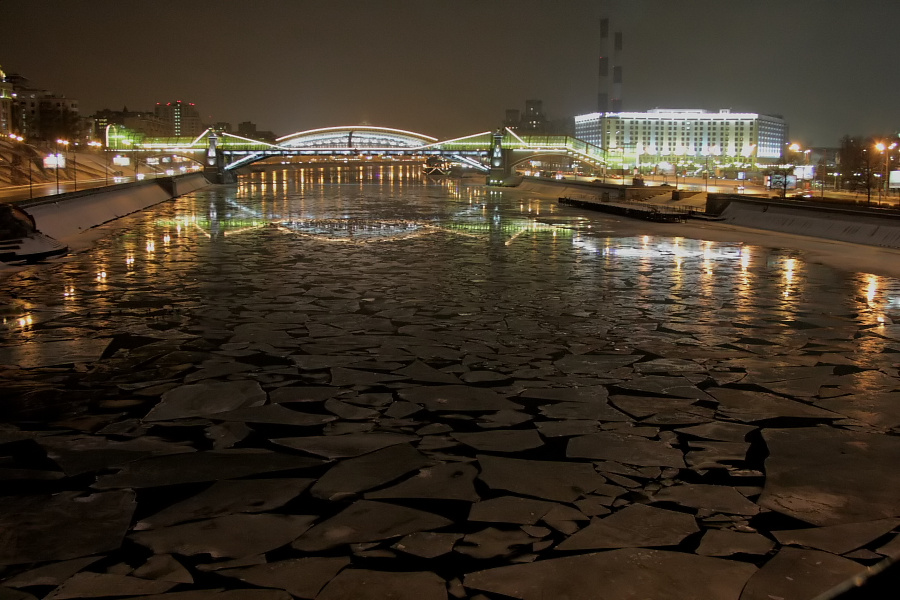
(391, 304)
(457, 240)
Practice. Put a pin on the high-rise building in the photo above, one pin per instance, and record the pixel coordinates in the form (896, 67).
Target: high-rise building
(513, 119)
(182, 119)
(248, 129)
(534, 120)
(58, 117)
(6, 100)
(40, 114)
(671, 133)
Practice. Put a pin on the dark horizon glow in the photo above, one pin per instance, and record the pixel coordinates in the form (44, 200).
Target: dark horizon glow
(450, 69)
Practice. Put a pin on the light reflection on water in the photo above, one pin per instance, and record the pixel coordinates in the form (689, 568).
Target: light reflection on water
(597, 254)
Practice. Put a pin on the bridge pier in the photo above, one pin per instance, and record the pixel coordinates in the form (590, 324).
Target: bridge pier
(214, 163)
(500, 171)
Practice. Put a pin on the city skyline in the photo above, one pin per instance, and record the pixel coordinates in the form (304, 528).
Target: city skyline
(825, 67)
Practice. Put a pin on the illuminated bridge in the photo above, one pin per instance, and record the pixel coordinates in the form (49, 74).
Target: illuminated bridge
(495, 153)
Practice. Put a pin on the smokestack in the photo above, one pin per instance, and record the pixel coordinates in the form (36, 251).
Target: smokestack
(616, 103)
(603, 72)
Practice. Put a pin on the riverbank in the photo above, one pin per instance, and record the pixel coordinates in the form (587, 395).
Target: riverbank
(794, 233)
(418, 387)
(69, 217)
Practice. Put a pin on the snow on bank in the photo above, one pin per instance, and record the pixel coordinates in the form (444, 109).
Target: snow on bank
(846, 256)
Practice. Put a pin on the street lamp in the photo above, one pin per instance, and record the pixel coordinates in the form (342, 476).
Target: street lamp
(20, 139)
(652, 149)
(709, 150)
(56, 164)
(805, 173)
(96, 146)
(58, 142)
(886, 150)
(868, 176)
(638, 149)
(679, 151)
(887, 168)
(12, 153)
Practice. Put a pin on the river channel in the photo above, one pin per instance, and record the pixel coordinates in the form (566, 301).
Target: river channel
(358, 380)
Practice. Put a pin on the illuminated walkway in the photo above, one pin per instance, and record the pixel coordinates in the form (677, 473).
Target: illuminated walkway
(233, 151)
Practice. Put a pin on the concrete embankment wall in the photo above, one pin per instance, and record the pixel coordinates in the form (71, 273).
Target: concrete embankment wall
(825, 221)
(64, 216)
(582, 190)
(571, 190)
(834, 224)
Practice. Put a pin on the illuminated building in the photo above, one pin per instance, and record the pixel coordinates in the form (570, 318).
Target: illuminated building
(182, 119)
(248, 129)
(666, 133)
(39, 114)
(533, 119)
(6, 100)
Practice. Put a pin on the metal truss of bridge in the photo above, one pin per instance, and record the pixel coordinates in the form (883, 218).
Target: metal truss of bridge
(491, 152)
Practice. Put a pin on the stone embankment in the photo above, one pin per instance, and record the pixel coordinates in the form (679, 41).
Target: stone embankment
(874, 227)
(856, 225)
(65, 216)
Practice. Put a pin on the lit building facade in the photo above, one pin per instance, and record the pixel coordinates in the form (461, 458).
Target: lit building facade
(6, 102)
(664, 134)
(181, 118)
(35, 113)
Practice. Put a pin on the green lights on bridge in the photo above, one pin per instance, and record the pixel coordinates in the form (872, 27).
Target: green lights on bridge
(365, 142)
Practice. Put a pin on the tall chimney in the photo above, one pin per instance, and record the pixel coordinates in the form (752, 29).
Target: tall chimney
(603, 72)
(616, 104)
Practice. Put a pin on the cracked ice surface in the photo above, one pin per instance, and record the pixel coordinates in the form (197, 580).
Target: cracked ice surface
(346, 384)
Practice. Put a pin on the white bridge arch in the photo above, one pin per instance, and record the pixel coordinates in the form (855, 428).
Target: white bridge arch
(352, 138)
(354, 141)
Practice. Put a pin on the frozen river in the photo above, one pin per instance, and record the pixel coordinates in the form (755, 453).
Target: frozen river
(352, 383)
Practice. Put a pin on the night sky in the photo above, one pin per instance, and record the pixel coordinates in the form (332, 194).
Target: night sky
(830, 67)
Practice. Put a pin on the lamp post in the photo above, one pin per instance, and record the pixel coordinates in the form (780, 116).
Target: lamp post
(679, 152)
(638, 149)
(56, 164)
(66, 144)
(652, 149)
(12, 154)
(606, 174)
(20, 139)
(709, 150)
(868, 177)
(887, 169)
(886, 150)
(96, 146)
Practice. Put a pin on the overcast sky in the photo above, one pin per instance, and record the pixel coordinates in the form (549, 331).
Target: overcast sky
(450, 68)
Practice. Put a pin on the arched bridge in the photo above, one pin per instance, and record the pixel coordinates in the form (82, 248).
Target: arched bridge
(495, 153)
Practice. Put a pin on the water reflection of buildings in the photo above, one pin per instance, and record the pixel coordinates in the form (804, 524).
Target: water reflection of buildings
(290, 200)
(663, 266)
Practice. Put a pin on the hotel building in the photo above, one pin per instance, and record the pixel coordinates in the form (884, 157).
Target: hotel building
(664, 134)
